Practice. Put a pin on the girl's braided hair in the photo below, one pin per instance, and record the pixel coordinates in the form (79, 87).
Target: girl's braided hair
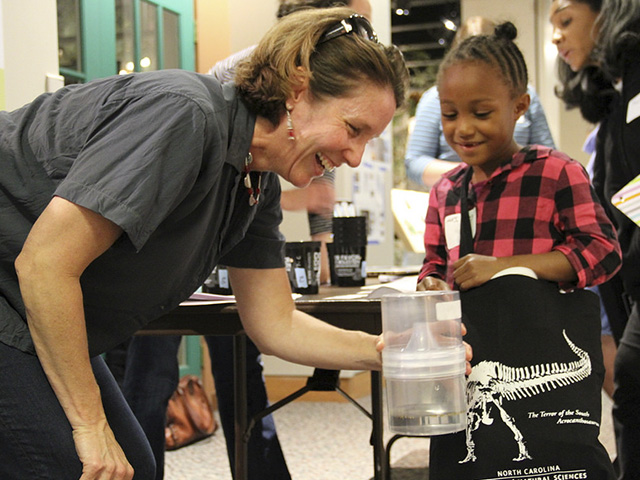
(498, 51)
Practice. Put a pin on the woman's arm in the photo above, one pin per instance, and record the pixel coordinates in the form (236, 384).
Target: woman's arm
(65, 239)
(269, 317)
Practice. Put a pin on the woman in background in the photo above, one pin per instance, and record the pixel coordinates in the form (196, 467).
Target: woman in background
(600, 41)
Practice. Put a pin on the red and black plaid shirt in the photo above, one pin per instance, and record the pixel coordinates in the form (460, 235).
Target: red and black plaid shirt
(539, 202)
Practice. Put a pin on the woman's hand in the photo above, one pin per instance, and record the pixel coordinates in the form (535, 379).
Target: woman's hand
(100, 454)
(474, 270)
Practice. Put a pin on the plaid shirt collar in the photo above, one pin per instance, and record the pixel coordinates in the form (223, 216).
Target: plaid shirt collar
(525, 154)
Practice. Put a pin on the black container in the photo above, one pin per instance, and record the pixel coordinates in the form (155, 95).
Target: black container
(348, 252)
(218, 282)
(302, 261)
(348, 264)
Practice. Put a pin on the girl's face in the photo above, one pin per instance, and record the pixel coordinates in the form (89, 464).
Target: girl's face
(479, 113)
(332, 131)
(573, 31)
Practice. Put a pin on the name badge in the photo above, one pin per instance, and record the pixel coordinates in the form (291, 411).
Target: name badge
(452, 228)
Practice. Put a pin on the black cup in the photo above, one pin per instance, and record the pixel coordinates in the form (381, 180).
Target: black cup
(348, 252)
(218, 281)
(347, 264)
(302, 261)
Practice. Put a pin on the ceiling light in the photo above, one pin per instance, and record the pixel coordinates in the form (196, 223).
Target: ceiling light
(449, 24)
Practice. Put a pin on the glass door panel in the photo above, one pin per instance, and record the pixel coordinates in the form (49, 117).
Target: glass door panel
(70, 41)
(125, 36)
(148, 37)
(170, 39)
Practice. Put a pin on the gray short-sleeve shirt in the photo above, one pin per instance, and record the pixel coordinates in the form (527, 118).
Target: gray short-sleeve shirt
(161, 155)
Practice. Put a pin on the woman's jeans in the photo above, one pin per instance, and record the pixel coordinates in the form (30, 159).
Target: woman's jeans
(151, 377)
(36, 439)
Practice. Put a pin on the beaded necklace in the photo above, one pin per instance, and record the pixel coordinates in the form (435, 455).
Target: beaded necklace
(254, 196)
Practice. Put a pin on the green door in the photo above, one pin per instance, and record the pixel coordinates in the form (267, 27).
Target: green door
(99, 38)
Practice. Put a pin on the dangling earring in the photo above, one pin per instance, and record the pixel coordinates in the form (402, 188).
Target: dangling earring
(290, 126)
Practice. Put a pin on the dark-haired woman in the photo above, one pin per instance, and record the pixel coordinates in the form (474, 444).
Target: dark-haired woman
(600, 41)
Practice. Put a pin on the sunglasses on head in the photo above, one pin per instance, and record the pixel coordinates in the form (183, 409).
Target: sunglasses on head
(356, 24)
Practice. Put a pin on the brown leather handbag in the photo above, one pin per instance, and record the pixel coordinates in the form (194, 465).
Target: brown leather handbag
(189, 414)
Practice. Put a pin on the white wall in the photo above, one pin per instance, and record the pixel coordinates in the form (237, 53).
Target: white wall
(520, 13)
(30, 36)
(249, 21)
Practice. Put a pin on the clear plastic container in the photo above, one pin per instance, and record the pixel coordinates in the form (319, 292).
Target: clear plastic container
(423, 363)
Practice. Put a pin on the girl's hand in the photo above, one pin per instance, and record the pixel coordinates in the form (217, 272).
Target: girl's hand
(432, 283)
(101, 456)
(474, 270)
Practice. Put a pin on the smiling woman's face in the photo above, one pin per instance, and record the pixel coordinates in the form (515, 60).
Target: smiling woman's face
(333, 131)
(573, 31)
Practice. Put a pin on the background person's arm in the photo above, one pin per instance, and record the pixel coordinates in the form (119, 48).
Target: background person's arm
(422, 161)
(65, 239)
(539, 132)
(318, 197)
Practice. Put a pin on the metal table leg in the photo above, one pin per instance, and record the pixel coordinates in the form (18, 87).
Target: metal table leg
(377, 441)
(240, 403)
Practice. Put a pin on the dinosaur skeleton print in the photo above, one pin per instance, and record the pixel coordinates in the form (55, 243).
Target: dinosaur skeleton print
(492, 385)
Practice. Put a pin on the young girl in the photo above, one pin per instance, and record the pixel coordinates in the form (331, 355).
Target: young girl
(482, 87)
(529, 207)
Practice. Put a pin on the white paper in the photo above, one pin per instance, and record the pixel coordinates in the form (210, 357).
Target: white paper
(406, 284)
(524, 271)
(633, 108)
(627, 200)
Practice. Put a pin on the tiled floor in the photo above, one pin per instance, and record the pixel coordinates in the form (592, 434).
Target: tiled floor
(325, 441)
